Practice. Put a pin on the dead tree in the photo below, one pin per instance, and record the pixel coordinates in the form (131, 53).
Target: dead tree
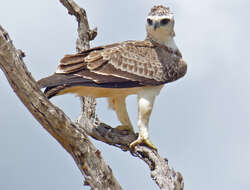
(73, 136)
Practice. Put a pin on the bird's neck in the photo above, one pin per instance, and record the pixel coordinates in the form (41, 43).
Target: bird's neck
(167, 41)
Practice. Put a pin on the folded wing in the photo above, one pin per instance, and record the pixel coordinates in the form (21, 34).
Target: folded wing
(121, 65)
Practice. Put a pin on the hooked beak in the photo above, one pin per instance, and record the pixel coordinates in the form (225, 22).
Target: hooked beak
(156, 25)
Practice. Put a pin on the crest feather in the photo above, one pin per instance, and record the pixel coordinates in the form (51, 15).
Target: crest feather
(159, 10)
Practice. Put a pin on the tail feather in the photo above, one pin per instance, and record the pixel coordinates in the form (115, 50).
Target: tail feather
(53, 91)
(58, 82)
(61, 79)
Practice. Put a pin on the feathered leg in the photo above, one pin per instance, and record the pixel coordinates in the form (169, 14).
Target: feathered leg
(146, 99)
(118, 103)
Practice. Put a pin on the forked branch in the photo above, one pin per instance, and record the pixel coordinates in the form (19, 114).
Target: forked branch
(96, 172)
(73, 136)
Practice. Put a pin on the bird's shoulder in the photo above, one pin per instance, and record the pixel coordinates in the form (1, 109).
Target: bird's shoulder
(113, 53)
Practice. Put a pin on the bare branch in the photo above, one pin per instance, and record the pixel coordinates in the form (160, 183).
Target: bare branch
(84, 36)
(164, 176)
(84, 33)
(88, 159)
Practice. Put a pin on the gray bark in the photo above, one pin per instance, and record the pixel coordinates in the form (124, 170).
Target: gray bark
(89, 160)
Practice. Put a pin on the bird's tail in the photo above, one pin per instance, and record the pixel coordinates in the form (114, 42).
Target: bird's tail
(56, 83)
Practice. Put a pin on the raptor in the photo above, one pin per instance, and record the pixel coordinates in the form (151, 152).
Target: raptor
(121, 69)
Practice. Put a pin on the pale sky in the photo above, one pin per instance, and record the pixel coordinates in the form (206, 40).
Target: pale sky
(200, 123)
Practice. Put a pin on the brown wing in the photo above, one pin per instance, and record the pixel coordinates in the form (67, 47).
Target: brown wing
(122, 65)
(140, 61)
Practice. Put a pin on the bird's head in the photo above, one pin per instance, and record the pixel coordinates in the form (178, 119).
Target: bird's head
(160, 24)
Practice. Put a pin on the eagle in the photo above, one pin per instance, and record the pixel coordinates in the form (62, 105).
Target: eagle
(117, 70)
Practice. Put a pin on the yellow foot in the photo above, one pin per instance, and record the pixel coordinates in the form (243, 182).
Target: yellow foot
(146, 142)
(125, 128)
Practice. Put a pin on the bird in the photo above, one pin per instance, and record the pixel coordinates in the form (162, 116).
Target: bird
(118, 70)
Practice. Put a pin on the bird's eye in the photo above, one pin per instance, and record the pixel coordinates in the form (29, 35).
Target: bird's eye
(164, 21)
(150, 22)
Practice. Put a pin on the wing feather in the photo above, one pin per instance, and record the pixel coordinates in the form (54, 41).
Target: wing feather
(141, 62)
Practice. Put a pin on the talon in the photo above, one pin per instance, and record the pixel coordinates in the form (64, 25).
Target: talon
(146, 142)
(125, 128)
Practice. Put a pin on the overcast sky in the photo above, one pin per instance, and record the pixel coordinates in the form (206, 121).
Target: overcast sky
(200, 123)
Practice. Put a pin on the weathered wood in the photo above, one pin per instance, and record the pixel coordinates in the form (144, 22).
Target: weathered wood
(84, 33)
(96, 172)
(164, 176)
